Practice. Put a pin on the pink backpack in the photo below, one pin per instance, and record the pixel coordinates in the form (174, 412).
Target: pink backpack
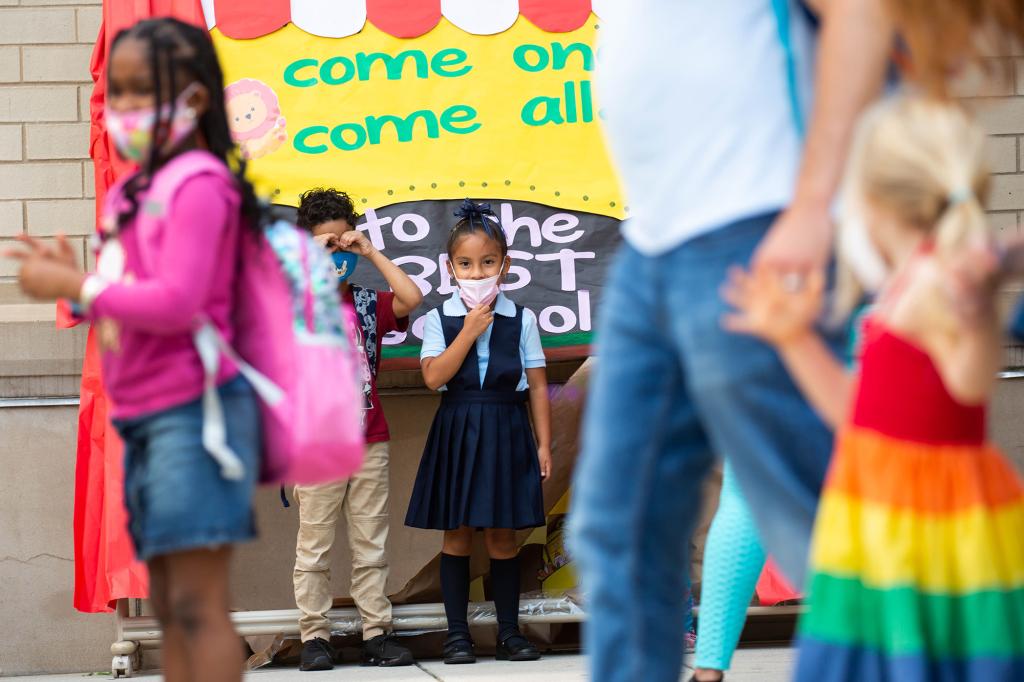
(292, 344)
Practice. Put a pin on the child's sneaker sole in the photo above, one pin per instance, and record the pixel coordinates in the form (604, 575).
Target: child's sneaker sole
(397, 662)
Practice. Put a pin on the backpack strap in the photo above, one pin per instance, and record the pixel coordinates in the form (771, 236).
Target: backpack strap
(210, 345)
(156, 200)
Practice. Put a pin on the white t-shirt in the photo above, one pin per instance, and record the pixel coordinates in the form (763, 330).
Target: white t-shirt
(698, 112)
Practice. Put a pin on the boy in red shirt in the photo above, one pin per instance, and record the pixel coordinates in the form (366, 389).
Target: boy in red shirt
(330, 216)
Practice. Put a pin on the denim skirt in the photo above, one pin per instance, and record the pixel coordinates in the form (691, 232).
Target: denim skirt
(175, 495)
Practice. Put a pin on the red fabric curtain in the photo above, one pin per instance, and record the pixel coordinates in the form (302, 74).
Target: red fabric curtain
(105, 565)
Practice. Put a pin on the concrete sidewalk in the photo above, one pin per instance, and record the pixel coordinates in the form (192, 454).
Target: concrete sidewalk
(749, 665)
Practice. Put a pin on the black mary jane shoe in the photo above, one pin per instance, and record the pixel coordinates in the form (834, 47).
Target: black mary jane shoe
(694, 678)
(458, 650)
(515, 647)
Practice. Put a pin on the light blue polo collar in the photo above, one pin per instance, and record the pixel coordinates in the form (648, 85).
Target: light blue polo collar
(454, 307)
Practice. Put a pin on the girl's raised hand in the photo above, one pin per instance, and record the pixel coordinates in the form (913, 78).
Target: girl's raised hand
(47, 272)
(770, 306)
(970, 281)
(61, 251)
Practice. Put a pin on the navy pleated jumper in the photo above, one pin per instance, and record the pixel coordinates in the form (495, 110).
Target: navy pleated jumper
(479, 466)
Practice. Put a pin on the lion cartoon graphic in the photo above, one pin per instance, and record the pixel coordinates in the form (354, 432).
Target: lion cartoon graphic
(254, 117)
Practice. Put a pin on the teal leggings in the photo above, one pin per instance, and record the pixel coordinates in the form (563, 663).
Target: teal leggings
(733, 559)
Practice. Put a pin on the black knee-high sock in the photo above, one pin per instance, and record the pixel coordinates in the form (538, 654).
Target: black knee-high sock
(455, 591)
(505, 589)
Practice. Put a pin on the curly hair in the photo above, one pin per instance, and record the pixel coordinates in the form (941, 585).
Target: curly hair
(318, 206)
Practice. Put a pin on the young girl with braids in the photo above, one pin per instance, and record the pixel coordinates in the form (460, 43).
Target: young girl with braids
(483, 465)
(917, 564)
(165, 111)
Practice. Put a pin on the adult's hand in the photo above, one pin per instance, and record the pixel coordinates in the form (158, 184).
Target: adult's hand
(798, 242)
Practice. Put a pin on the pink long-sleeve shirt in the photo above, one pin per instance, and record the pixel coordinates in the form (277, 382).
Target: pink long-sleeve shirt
(193, 264)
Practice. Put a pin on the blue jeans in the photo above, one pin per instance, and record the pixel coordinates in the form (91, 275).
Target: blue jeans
(671, 387)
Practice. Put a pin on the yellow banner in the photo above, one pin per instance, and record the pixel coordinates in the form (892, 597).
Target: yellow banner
(442, 116)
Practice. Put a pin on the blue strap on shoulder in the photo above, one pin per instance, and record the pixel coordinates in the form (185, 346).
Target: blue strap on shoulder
(782, 18)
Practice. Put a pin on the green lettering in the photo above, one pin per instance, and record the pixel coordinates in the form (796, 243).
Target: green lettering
(588, 101)
(560, 55)
(569, 88)
(448, 57)
(327, 71)
(519, 57)
(394, 65)
(552, 114)
(404, 127)
(292, 70)
(304, 134)
(456, 114)
(338, 137)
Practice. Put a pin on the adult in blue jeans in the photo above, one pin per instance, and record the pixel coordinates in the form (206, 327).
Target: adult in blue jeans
(704, 103)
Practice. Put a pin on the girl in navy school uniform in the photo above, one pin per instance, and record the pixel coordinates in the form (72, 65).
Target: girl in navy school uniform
(483, 464)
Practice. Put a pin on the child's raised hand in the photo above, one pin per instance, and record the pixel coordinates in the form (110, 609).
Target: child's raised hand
(356, 242)
(970, 281)
(478, 320)
(61, 252)
(327, 240)
(770, 307)
(544, 458)
(47, 272)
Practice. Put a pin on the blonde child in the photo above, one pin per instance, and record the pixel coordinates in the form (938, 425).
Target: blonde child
(917, 564)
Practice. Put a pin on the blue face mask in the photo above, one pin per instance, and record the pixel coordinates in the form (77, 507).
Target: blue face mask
(344, 264)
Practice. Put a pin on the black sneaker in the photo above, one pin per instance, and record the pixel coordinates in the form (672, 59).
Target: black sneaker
(317, 654)
(386, 652)
(515, 647)
(458, 649)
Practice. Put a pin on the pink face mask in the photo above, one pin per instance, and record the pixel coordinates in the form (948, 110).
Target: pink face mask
(132, 131)
(477, 292)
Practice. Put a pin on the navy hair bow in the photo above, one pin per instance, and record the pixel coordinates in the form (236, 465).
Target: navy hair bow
(471, 210)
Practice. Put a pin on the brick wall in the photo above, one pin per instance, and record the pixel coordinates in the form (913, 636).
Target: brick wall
(1000, 107)
(46, 180)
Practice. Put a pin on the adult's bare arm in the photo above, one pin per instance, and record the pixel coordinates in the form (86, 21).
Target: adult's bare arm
(853, 52)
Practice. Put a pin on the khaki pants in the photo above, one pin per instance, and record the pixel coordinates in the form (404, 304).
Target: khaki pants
(364, 500)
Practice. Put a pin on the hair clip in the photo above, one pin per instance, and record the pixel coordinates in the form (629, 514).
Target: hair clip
(470, 210)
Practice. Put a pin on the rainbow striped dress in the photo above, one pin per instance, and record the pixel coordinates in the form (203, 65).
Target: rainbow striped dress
(917, 561)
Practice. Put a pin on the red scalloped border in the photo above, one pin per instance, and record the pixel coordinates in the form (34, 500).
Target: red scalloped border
(242, 20)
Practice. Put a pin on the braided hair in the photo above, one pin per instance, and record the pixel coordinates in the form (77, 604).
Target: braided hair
(175, 48)
(476, 217)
